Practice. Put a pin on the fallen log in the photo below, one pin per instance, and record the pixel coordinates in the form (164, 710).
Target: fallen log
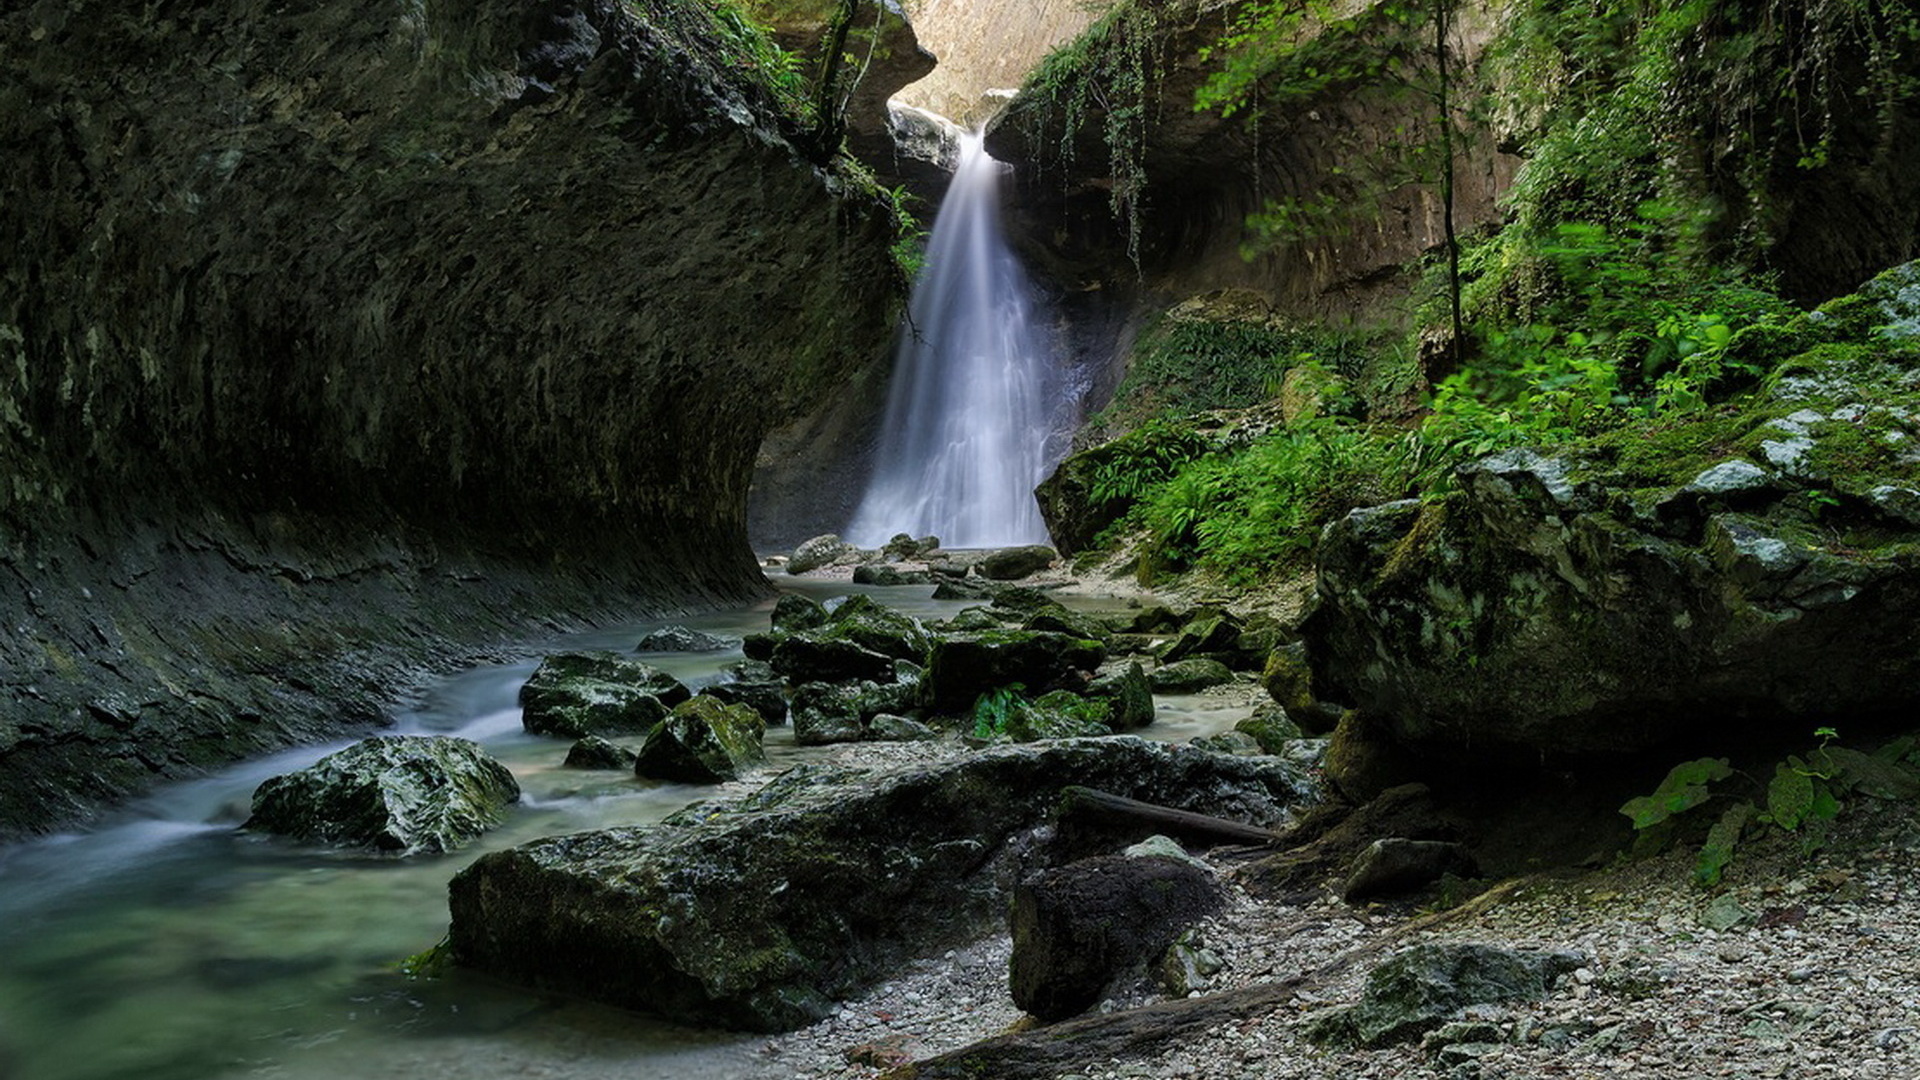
(1085, 812)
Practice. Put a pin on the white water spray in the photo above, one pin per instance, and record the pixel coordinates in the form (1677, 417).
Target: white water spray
(964, 440)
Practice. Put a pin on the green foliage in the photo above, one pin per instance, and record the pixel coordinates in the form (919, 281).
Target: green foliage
(993, 710)
(1802, 795)
(1258, 510)
(1113, 68)
(1142, 459)
(1684, 788)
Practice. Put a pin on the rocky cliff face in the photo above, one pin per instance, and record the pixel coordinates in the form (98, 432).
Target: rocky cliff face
(333, 338)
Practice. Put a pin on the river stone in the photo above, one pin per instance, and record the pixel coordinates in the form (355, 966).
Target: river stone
(594, 752)
(826, 712)
(964, 666)
(681, 639)
(1270, 727)
(816, 656)
(395, 794)
(1206, 635)
(886, 727)
(903, 547)
(754, 684)
(1189, 676)
(887, 574)
(704, 741)
(1128, 693)
(760, 912)
(794, 612)
(597, 693)
(1079, 929)
(1057, 619)
(818, 552)
(1014, 563)
(1418, 990)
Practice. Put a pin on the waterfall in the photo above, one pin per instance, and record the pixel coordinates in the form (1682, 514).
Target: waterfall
(965, 436)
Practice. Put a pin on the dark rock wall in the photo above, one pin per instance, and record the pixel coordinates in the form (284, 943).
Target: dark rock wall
(334, 335)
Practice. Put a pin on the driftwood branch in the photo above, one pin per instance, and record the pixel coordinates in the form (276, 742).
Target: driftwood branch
(1089, 810)
(1060, 1048)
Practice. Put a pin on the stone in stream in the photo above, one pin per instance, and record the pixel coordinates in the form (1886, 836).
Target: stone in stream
(395, 794)
(760, 912)
(1416, 991)
(820, 551)
(1271, 727)
(574, 694)
(754, 684)
(886, 574)
(1081, 928)
(859, 640)
(962, 667)
(704, 741)
(1128, 693)
(594, 752)
(681, 639)
(1189, 676)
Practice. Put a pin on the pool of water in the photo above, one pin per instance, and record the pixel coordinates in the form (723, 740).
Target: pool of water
(165, 944)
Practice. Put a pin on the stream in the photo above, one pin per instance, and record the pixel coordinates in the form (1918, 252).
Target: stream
(164, 944)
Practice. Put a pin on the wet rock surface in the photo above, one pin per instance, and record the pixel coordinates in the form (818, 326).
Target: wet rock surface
(396, 795)
(597, 693)
(703, 741)
(850, 873)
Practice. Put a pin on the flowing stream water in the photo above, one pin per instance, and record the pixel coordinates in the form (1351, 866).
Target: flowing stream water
(165, 944)
(965, 436)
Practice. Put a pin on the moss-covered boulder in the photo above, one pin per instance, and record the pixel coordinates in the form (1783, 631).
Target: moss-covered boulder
(962, 667)
(704, 741)
(1014, 563)
(1190, 675)
(859, 639)
(844, 712)
(680, 639)
(597, 693)
(1731, 568)
(1128, 694)
(759, 913)
(1270, 727)
(594, 752)
(394, 794)
(1212, 633)
(1415, 991)
(1057, 619)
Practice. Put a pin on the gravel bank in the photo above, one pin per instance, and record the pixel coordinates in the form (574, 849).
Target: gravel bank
(1820, 978)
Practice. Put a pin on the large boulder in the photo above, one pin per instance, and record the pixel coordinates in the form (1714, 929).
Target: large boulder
(597, 693)
(394, 794)
(754, 684)
(1129, 694)
(1080, 928)
(1189, 676)
(1732, 569)
(820, 551)
(679, 639)
(962, 667)
(860, 639)
(704, 741)
(760, 912)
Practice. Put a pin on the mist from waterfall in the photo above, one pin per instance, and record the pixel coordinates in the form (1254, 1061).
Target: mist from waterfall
(965, 436)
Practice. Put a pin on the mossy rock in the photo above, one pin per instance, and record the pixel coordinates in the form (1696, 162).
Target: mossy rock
(1270, 728)
(1189, 676)
(597, 693)
(704, 741)
(1059, 714)
(1419, 989)
(1060, 620)
(964, 666)
(1129, 693)
(594, 752)
(392, 794)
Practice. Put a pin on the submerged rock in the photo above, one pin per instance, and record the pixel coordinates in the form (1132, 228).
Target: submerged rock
(1079, 929)
(395, 794)
(594, 752)
(597, 693)
(681, 639)
(704, 741)
(759, 913)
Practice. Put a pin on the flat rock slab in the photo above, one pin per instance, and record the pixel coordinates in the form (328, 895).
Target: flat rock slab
(759, 913)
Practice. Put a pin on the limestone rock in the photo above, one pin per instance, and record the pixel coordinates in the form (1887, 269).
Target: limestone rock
(1414, 992)
(1012, 564)
(1189, 676)
(754, 684)
(794, 612)
(962, 667)
(1080, 928)
(1128, 692)
(398, 795)
(1270, 727)
(886, 574)
(848, 874)
(1396, 865)
(704, 741)
(818, 552)
(597, 693)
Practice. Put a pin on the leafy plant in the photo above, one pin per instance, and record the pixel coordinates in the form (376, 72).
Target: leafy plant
(993, 710)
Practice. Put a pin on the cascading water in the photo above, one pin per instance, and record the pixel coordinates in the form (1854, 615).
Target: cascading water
(965, 436)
